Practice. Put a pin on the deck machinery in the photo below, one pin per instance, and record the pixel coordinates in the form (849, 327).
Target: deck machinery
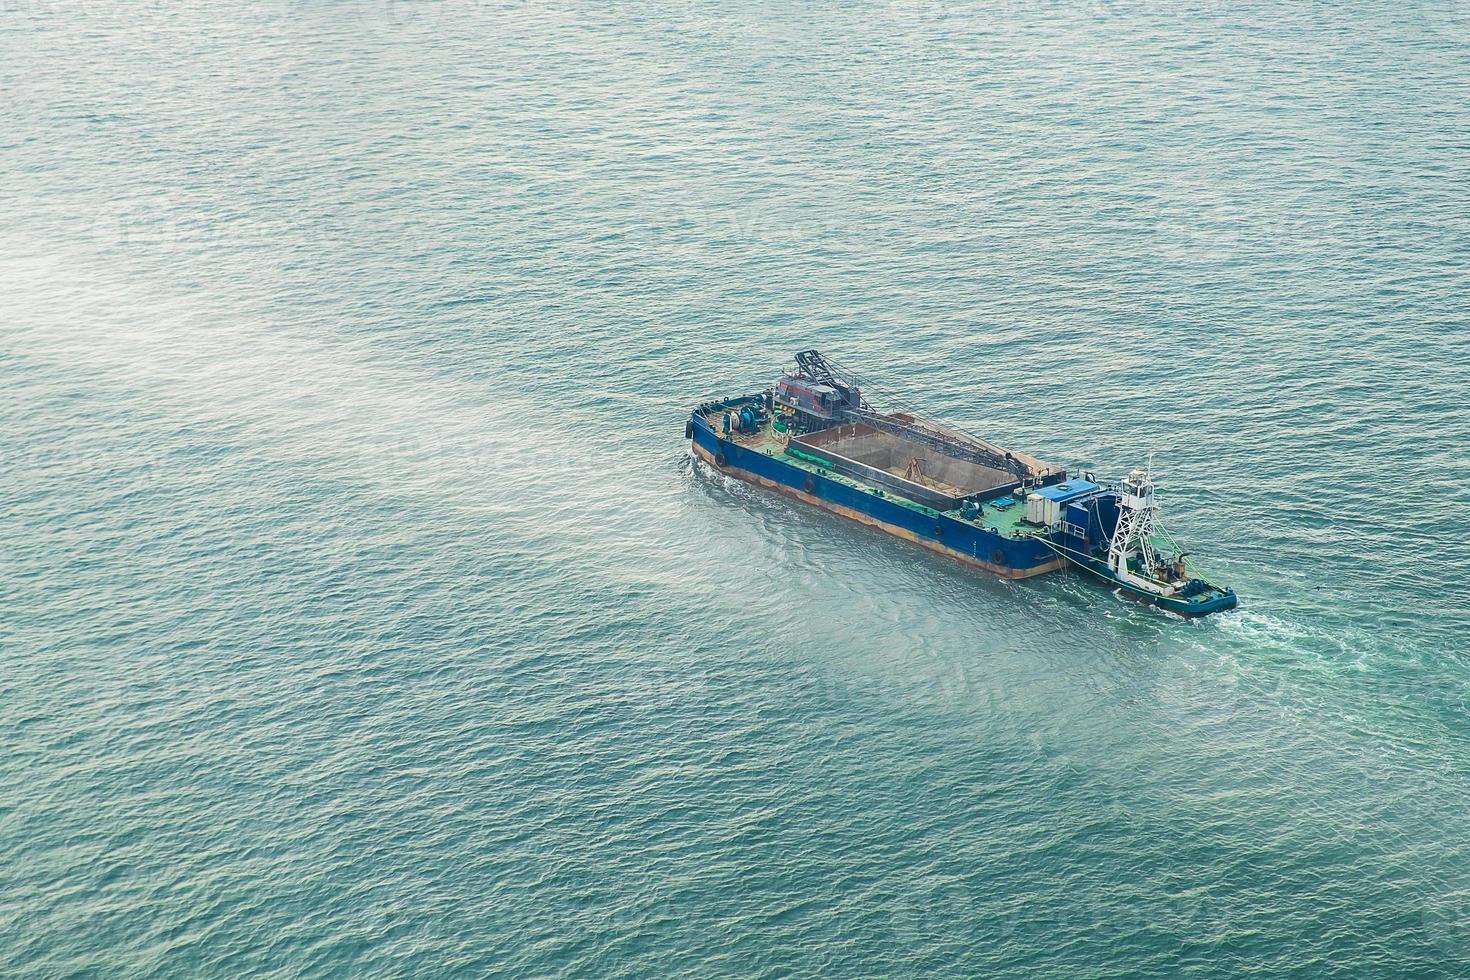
(814, 436)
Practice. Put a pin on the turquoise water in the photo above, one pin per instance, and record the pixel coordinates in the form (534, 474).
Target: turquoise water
(363, 614)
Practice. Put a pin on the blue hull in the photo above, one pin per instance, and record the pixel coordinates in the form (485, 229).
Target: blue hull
(1008, 557)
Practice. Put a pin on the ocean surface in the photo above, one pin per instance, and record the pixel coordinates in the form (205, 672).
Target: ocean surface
(363, 614)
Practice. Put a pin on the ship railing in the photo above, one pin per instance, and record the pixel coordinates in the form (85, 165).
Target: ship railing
(992, 457)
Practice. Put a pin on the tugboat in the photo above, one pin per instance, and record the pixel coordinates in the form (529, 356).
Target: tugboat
(813, 436)
(1132, 552)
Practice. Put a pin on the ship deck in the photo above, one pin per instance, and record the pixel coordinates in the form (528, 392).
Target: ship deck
(873, 469)
(1006, 522)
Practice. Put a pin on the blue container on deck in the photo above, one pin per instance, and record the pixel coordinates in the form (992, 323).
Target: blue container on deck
(1092, 518)
(1077, 516)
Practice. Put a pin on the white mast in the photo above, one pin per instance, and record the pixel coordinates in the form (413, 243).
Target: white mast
(1137, 510)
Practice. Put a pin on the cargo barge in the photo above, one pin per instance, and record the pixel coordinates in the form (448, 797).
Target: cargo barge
(814, 437)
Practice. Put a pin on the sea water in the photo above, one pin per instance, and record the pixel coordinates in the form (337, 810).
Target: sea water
(362, 612)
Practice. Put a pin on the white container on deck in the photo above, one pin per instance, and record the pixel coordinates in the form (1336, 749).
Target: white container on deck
(1036, 508)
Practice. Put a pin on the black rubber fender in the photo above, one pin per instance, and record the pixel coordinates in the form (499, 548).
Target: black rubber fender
(810, 486)
(688, 428)
(998, 556)
(720, 459)
(939, 530)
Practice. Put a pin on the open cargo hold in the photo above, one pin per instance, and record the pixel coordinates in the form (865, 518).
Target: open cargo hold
(910, 469)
